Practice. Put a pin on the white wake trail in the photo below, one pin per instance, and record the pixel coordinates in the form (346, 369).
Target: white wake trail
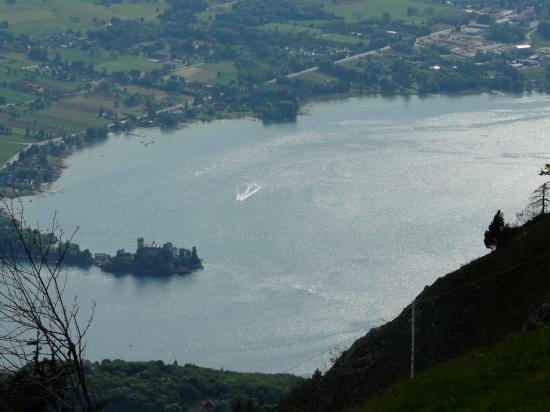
(250, 190)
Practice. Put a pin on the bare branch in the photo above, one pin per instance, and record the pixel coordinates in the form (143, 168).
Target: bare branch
(35, 320)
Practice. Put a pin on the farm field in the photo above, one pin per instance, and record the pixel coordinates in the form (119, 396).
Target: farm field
(8, 149)
(45, 17)
(365, 9)
(18, 136)
(128, 62)
(15, 60)
(340, 38)
(14, 96)
(291, 28)
(102, 59)
(317, 77)
(221, 72)
(78, 113)
(224, 71)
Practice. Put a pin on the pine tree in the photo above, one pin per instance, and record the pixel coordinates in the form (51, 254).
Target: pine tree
(495, 233)
(541, 198)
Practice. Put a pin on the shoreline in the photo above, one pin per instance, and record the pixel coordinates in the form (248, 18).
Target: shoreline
(303, 111)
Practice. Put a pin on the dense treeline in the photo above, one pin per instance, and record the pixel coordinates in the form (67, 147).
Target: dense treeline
(257, 12)
(158, 387)
(506, 33)
(19, 243)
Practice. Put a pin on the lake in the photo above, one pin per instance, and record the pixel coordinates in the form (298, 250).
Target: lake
(311, 233)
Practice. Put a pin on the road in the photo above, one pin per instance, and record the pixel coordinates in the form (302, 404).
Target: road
(15, 157)
(341, 61)
(357, 56)
(532, 28)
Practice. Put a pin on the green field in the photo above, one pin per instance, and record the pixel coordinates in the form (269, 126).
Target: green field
(365, 9)
(14, 96)
(15, 60)
(102, 59)
(65, 85)
(128, 62)
(75, 54)
(312, 31)
(17, 136)
(8, 149)
(535, 73)
(291, 28)
(340, 38)
(538, 41)
(224, 71)
(78, 113)
(36, 17)
(513, 375)
(317, 77)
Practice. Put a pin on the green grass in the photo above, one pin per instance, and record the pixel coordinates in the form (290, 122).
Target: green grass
(35, 17)
(225, 71)
(16, 60)
(317, 77)
(17, 136)
(128, 62)
(291, 28)
(75, 54)
(206, 15)
(198, 72)
(511, 375)
(340, 38)
(14, 96)
(65, 85)
(8, 149)
(77, 113)
(535, 73)
(63, 118)
(102, 59)
(538, 41)
(365, 9)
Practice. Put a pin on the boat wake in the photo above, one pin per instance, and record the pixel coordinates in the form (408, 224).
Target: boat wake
(250, 190)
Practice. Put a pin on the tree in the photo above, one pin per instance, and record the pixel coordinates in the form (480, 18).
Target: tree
(543, 29)
(496, 232)
(545, 171)
(42, 341)
(540, 199)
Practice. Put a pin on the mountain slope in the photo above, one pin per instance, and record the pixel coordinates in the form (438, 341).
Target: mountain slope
(478, 304)
(511, 375)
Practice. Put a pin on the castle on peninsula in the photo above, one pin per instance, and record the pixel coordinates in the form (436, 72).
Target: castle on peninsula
(151, 259)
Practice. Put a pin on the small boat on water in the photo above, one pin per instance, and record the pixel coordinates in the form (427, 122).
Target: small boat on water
(250, 190)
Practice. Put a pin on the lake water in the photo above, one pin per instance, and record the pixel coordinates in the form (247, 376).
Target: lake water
(311, 233)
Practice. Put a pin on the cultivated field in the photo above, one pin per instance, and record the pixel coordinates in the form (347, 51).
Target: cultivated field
(8, 149)
(36, 17)
(364, 9)
(78, 113)
(219, 72)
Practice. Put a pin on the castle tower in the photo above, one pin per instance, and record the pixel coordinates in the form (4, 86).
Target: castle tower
(140, 243)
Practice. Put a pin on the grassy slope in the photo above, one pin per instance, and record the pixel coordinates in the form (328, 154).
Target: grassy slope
(511, 375)
(478, 304)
